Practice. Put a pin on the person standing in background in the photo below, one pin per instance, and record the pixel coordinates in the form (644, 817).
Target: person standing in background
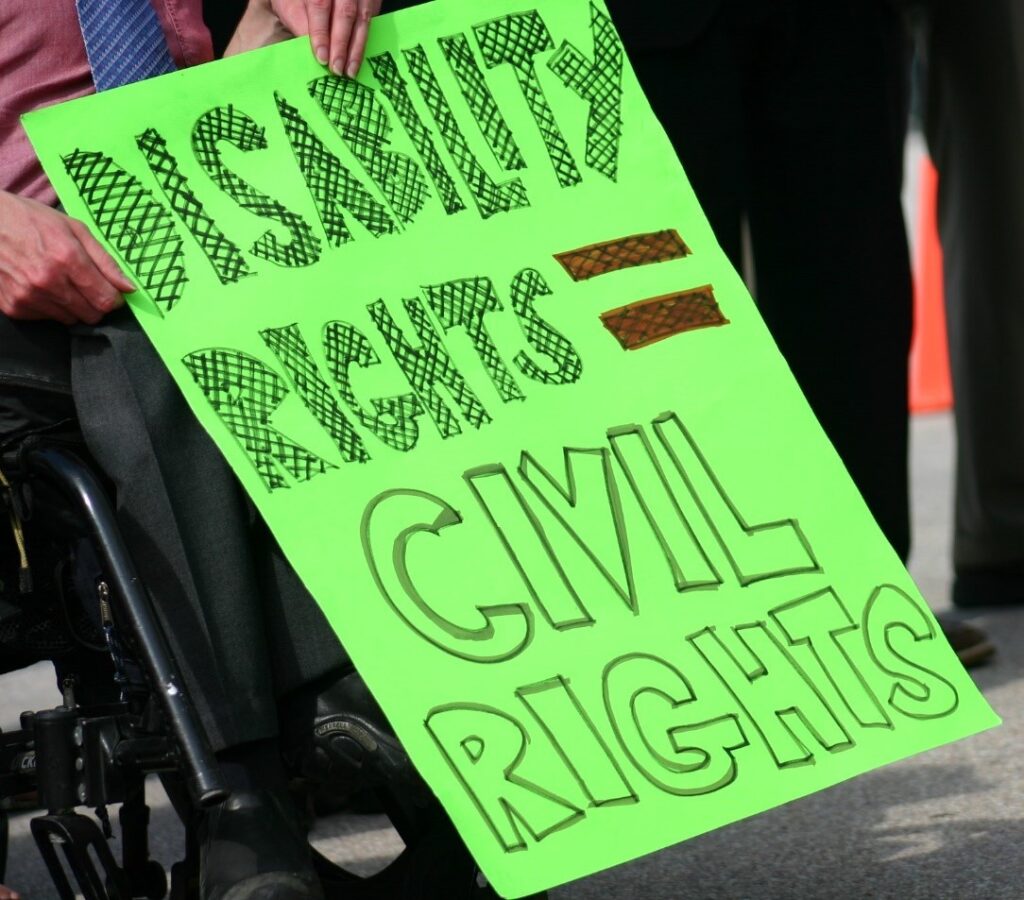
(789, 117)
(974, 123)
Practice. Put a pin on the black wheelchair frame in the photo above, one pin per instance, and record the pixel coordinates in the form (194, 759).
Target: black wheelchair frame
(98, 755)
(96, 752)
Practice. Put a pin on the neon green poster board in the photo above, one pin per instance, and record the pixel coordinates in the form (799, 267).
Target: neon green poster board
(464, 334)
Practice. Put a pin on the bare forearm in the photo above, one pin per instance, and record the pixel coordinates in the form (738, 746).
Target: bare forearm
(258, 27)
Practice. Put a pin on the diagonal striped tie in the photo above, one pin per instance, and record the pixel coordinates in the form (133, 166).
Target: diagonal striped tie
(123, 40)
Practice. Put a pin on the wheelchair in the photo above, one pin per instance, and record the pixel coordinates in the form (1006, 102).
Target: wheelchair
(125, 712)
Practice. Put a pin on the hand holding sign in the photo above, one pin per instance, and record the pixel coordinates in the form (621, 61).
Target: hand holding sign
(337, 29)
(51, 267)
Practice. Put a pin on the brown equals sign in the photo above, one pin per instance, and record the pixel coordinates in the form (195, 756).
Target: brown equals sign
(653, 319)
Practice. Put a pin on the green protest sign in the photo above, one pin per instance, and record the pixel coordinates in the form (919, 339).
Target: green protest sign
(464, 334)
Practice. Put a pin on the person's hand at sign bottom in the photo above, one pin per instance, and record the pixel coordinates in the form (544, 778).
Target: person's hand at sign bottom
(51, 267)
(7, 893)
(337, 29)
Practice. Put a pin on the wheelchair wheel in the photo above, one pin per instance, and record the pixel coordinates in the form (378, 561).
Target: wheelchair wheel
(363, 766)
(434, 865)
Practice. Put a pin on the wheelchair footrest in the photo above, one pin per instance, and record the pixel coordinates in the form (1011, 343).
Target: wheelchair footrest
(73, 836)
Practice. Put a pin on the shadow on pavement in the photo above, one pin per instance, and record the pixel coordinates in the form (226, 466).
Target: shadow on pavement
(841, 844)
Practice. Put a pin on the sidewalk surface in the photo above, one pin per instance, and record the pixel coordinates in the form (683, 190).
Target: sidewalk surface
(946, 824)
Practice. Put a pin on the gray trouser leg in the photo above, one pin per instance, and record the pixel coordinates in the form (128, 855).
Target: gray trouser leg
(241, 625)
(975, 124)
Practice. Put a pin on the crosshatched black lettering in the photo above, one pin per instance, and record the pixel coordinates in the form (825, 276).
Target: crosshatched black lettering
(225, 123)
(142, 229)
(332, 185)
(223, 253)
(289, 347)
(599, 83)
(385, 70)
(464, 303)
(517, 40)
(354, 111)
(490, 196)
(244, 393)
(481, 101)
(392, 419)
(428, 366)
(566, 365)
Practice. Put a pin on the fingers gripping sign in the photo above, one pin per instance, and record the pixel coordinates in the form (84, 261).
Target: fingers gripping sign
(337, 29)
(51, 267)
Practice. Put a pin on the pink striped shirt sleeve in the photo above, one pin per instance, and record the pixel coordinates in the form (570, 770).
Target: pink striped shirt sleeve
(43, 61)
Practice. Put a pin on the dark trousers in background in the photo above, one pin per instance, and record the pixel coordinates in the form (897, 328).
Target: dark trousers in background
(974, 120)
(791, 116)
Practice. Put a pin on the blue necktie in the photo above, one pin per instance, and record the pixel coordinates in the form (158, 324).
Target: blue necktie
(123, 40)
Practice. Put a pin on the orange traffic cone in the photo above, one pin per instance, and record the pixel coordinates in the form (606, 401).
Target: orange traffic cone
(930, 386)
